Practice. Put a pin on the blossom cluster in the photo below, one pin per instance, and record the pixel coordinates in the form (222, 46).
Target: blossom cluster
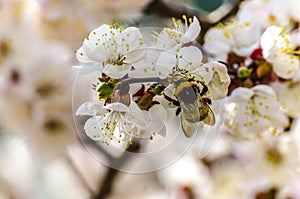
(169, 67)
(263, 59)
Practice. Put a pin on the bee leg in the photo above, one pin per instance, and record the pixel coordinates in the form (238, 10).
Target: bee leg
(204, 90)
(207, 100)
(178, 111)
(175, 102)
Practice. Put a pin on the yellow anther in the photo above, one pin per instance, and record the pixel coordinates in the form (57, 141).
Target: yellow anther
(247, 23)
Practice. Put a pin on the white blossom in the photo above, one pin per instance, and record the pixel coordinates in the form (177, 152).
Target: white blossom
(188, 172)
(270, 12)
(226, 180)
(289, 95)
(275, 159)
(240, 37)
(257, 12)
(284, 11)
(252, 113)
(279, 51)
(35, 91)
(111, 50)
(179, 34)
(117, 121)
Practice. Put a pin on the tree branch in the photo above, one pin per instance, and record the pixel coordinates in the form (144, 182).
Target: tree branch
(106, 185)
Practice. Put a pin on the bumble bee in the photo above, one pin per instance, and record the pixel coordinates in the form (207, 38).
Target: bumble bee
(192, 105)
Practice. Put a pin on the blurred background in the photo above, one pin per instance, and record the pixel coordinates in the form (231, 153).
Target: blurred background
(41, 156)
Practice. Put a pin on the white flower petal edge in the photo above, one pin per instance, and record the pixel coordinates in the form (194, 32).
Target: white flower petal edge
(89, 108)
(193, 30)
(220, 80)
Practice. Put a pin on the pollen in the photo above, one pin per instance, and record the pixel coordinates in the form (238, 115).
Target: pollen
(226, 35)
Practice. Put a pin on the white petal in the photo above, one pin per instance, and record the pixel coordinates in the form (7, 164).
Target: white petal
(247, 35)
(165, 40)
(158, 116)
(218, 86)
(103, 32)
(88, 67)
(95, 51)
(285, 65)
(132, 39)
(194, 30)
(262, 90)
(296, 77)
(163, 131)
(222, 71)
(135, 56)
(241, 93)
(137, 116)
(268, 38)
(90, 108)
(82, 56)
(116, 71)
(216, 43)
(165, 62)
(189, 57)
(281, 120)
(206, 71)
(117, 106)
(246, 38)
(93, 127)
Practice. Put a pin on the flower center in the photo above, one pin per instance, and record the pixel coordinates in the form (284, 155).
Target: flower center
(117, 61)
(46, 89)
(5, 49)
(54, 126)
(274, 156)
(15, 77)
(271, 193)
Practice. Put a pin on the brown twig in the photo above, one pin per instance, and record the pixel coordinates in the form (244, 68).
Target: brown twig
(107, 183)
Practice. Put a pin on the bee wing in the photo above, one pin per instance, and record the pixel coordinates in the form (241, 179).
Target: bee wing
(188, 128)
(190, 116)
